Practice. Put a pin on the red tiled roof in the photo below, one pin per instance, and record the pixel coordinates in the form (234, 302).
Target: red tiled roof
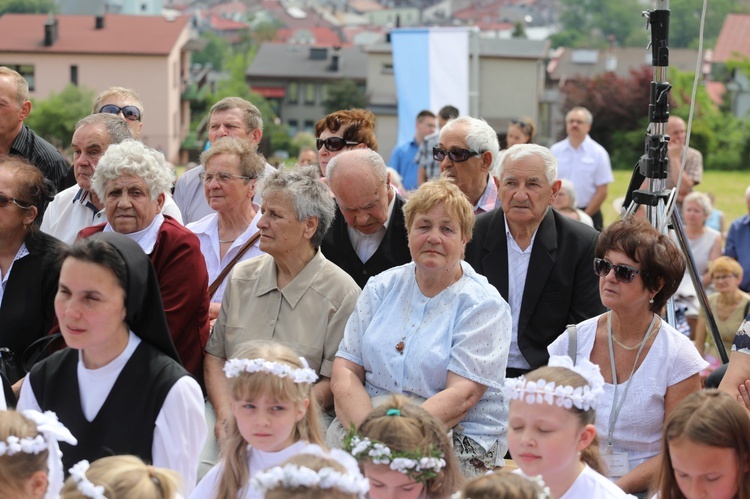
(122, 34)
(219, 23)
(324, 37)
(733, 38)
(235, 7)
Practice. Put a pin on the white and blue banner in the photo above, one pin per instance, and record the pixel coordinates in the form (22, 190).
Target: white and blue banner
(431, 67)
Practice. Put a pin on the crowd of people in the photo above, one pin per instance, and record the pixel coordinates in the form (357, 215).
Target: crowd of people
(247, 331)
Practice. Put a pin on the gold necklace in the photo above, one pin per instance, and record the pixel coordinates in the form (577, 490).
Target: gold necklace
(648, 334)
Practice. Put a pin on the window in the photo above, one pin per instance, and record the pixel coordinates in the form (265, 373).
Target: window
(74, 75)
(386, 68)
(324, 92)
(293, 127)
(309, 93)
(292, 92)
(25, 70)
(310, 126)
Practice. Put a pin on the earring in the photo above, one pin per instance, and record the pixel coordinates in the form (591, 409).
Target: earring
(651, 301)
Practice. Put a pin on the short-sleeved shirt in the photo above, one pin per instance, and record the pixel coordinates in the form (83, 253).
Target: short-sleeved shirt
(693, 167)
(464, 329)
(309, 314)
(424, 158)
(587, 166)
(71, 211)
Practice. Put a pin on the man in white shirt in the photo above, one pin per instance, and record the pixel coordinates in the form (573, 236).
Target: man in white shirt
(78, 206)
(368, 234)
(584, 162)
(230, 117)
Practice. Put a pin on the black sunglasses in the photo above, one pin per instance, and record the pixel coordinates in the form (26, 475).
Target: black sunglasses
(131, 113)
(4, 200)
(523, 124)
(334, 144)
(623, 273)
(455, 155)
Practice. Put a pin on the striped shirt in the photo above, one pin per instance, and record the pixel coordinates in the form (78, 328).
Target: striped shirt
(41, 154)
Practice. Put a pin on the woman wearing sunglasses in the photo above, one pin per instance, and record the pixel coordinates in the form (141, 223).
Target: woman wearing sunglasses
(122, 101)
(344, 130)
(648, 366)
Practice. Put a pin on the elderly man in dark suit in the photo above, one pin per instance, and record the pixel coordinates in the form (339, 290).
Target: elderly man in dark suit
(368, 234)
(539, 260)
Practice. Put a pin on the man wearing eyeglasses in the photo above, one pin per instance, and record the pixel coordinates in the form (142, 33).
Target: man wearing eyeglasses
(230, 117)
(467, 149)
(584, 162)
(368, 234)
(402, 157)
(538, 259)
(427, 167)
(19, 140)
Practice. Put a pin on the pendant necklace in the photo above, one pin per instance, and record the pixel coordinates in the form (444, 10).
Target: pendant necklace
(648, 334)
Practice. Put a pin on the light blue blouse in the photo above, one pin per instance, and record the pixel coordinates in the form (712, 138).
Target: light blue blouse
(465, 329)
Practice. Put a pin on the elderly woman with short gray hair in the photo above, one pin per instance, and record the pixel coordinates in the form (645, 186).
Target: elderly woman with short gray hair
(132, 180)
(291, 295)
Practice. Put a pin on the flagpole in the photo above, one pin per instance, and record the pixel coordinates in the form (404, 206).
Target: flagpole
(474, 75)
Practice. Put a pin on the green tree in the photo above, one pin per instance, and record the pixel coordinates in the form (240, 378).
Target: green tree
(519, 30)
(55, 117)
(213, 53)
(27, 6)
(344, 94)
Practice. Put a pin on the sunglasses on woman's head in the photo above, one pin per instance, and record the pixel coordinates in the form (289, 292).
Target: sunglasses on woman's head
(623, 273)
(131, 113)
(522, 124)
(455, 155)
(4, 200)
(334, 144)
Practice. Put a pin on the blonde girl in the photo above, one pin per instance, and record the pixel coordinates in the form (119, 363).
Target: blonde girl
(30, 459)
(274, 417)
(551, 428)
(315, 474)
(120, 477)
(405, 452)
(504, 485)
(706, 446)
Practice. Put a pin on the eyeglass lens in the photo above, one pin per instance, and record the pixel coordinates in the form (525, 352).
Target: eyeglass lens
(333, 144)
(131, 113)
(623, 273)
(455, 155)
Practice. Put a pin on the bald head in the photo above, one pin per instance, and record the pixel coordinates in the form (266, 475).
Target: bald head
(677, 131)
(360, 181)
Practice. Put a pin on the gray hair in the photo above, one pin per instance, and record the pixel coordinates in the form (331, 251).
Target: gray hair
(114, 125)
(252, 116)
(586, 112)
(252, 164)
(521, 151)
(22, 86)
(372, 159)
(701, 199)
(310, 197)
(479, 135)
(131, 157)
(568, 186)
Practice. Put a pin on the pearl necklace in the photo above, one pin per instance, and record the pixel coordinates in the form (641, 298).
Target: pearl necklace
(648, 334)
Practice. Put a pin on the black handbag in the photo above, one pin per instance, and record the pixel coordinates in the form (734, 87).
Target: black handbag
(9, 366)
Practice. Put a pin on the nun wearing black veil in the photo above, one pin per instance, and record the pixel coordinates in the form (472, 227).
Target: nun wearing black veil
(119, 387)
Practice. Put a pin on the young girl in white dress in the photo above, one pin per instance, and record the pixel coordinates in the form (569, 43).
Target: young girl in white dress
(30, 459)
(551, 428)
(274, 418)
(706, 446)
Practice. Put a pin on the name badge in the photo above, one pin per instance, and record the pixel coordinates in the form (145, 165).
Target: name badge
(618, 463)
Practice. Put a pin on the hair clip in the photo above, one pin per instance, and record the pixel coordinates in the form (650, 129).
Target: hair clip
(84, 486)
(235, 367)
(393, 412)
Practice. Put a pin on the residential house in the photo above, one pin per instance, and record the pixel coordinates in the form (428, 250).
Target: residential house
(733, 44)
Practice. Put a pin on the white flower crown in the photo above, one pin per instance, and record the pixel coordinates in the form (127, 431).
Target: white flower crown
(27, 445)
(541, 391)
(84, 486)
(235, 367)
(417, 467)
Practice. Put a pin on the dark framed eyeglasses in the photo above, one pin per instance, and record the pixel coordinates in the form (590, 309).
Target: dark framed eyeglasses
(455, 155)
(4, 200)
(334, 144)
(131, 113)
(222, 178)
(623, 273)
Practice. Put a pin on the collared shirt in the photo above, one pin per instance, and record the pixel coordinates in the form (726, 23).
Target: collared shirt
(207, 230)
(365, 245)
(738, 247)
(71, 211)
(489, 200)
(424, 158)
(464, 329)
(402, 160)
(587, 167)
(309, 314)
(41, 154)
(146, 238)
(22, 252)
(518, 268)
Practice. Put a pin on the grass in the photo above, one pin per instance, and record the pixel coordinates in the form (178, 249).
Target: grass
(728, 188)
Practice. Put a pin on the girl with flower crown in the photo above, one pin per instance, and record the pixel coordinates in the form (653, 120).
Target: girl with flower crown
(551, 428)
(30, 460)
(405, 452)
(274, 414)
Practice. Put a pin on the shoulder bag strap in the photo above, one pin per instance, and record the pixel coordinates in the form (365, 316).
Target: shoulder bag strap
(572, 342)
(215, 285)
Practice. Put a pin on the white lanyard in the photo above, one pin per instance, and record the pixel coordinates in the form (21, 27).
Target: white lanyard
(615, 406)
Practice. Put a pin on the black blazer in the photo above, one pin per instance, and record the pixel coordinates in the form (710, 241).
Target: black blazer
(561, 287)
(27, 311)
(392, 252)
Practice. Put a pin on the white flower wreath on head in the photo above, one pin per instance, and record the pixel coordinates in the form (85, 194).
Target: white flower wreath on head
(544, 494)
(84, 486)
(417, 466)
(541, 391)
(235, 367)
(291, 476)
